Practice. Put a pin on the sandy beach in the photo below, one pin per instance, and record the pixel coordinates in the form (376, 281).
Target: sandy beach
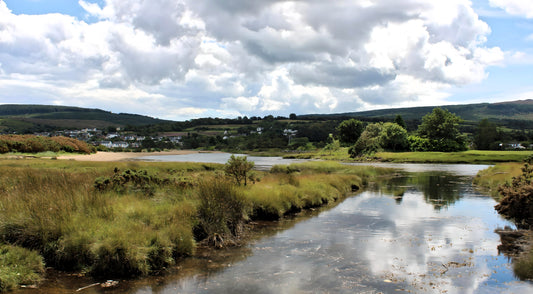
(122, 156)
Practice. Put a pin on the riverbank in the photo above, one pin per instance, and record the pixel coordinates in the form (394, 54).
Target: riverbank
(143, 218)
(522, 244)
(470, 156)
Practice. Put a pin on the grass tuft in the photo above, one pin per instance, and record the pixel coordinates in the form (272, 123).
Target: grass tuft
(19, 266)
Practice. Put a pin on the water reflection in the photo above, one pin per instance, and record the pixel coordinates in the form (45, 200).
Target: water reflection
(372, 243)
(439, 189)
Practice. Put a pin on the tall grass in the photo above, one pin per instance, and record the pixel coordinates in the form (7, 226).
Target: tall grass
(304, 185)
(491, 178)
(19, 266)
(57, 212)
(222, 210)
(55, 208)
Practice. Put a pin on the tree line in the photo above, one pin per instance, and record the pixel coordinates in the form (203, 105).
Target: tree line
(439, 131)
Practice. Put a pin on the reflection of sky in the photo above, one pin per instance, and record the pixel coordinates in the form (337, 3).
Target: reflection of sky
(370, 243)
(260, 162)
(455, 169)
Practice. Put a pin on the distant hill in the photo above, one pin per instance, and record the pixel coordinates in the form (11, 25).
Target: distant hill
(515, 114)
(35, 118)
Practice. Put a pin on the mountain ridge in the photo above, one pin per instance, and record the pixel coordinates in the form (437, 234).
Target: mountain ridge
(27, 118)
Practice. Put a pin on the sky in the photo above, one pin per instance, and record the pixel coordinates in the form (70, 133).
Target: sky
(185, 59)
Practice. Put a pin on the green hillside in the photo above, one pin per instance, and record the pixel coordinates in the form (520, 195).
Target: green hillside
(37, 118)
(516, 115)
(513, 115)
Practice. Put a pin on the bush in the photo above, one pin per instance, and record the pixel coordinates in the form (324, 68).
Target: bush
(35, 144)
(418, 144)
(517, 201)
(130, 180)
(238, 168)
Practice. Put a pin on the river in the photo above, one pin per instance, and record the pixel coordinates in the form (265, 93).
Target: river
(427, 231)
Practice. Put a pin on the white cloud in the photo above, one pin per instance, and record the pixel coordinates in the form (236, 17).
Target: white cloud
(247, 57)
(515, 7)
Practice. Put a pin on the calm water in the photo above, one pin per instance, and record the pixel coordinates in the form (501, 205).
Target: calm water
(426, 232)
(261, 163)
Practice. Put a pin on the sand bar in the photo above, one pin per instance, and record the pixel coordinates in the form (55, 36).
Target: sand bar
(122, 156)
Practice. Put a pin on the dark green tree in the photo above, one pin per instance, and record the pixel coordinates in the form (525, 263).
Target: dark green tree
(349, 131)
(368, 142)
(393, 137)
(486, 137)
(441, 128)
(399, 120)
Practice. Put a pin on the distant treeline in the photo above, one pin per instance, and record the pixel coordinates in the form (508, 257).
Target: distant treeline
(35, 144)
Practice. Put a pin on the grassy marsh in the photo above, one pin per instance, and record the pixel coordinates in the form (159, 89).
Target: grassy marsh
(470, 156)
(140, 226)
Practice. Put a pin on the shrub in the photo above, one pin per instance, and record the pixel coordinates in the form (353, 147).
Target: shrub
(517, 201)
(35, 144)
(238, 168)
(130, 180)
(418, 144)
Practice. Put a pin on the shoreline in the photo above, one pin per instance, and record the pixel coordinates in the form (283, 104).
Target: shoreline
(125, 156)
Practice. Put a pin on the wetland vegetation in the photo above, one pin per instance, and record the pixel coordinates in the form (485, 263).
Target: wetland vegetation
(125, 219)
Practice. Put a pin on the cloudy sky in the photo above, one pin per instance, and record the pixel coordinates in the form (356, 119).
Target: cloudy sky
(183, 59)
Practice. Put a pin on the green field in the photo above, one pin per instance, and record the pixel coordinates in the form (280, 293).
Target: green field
(471, 156)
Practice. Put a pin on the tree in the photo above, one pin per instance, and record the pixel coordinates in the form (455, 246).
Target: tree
(368, 142)
(379, 136)
(393, 137)
(486, 135)
(238, 167)
(350, 130)
(293, 116)
(441, 127)
(399, 120)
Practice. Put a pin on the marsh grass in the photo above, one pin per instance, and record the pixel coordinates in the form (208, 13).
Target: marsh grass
(470, 156)
(222, 210)
(294, 187)
(491, 178)
(19, 266)
(54, 208)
